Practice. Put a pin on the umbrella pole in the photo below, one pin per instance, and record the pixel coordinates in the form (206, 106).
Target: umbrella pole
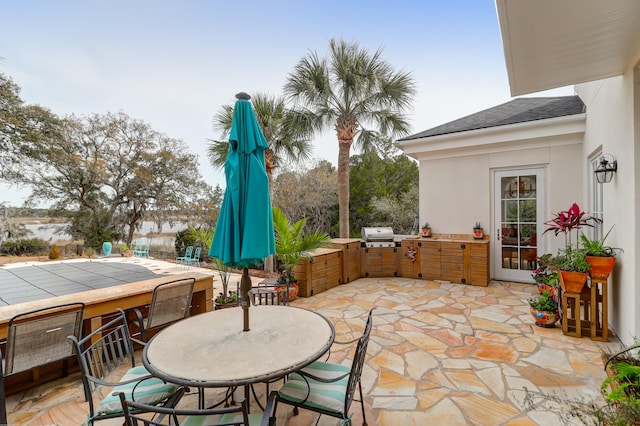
(245, 288)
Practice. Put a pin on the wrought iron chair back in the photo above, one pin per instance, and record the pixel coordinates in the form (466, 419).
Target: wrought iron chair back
(38, 338)
(148, 415)
(170, 302)
(357, 364)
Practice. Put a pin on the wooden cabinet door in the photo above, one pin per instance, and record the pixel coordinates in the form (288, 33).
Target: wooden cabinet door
(452, 261)
(430, 268)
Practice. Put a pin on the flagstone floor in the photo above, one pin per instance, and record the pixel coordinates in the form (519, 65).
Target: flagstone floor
(440, 353)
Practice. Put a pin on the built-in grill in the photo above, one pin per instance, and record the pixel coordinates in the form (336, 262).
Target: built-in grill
(378, 237)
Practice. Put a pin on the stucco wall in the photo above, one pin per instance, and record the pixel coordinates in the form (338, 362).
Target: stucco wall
(610, 128)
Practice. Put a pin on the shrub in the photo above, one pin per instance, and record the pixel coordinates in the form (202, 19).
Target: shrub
(54, 253)
(29, 247)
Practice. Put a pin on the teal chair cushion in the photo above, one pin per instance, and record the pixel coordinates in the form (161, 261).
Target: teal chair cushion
(325, 396)
(150, 391)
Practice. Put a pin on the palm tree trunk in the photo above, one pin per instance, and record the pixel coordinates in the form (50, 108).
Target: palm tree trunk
(344, 156)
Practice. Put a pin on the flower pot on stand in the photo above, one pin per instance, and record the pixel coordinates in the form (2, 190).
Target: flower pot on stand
(106, 248)
(601, 267)
(573, 282)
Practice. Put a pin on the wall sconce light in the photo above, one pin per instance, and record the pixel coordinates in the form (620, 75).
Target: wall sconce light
(606, 169)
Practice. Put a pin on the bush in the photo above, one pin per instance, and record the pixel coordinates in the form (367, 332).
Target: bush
(54, 253)
(27, 247)
(184, 239)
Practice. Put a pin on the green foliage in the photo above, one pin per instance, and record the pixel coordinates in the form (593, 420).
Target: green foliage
(310, 194)
(33, 247)
(597, 247)
(292, 243)
(477, 226)
(544, 302)
(383, 192)
(426, 225)
(202, 237)
(184, 239)
(571, 260)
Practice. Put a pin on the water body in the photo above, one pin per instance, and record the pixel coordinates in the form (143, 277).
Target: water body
(52, 232)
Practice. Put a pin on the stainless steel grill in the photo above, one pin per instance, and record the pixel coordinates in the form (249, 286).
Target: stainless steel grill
(378, 237)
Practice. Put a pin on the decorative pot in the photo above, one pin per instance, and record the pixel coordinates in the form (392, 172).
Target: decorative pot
(218, 305)
(426, 232)
(601, 267)
(106, 248)
(545, 319)
(478, 233)
(293, 291)
(552, 290)
(573, 282)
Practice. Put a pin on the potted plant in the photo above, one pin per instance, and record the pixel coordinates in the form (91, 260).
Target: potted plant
(426, 230)
(125, 251)
(544, 310)
(478, 232)
(293, 245)
(602, 258)
(545, 276)
(225, 299)
(571, 262)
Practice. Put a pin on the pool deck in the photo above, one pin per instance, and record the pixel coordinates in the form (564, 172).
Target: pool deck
(440, 353)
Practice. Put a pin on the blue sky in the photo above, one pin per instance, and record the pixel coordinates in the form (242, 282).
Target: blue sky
(173, 64)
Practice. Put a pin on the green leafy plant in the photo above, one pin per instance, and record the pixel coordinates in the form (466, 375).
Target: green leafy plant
(477, 226)
(426, 225)
(224, 272)
(292, 244)
(544, 302)
(597, 247)
(571, 260)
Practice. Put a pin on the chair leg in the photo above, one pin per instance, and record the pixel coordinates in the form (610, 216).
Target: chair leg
(364, 418)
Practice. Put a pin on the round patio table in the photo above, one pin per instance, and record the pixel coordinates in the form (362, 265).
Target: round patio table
(211, 350)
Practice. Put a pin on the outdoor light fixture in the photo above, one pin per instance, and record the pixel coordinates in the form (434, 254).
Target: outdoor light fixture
(606, 169)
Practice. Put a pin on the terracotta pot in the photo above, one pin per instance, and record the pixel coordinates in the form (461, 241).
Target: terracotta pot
(601, 267)
(545, 319)
(293, 292)
(573, 282)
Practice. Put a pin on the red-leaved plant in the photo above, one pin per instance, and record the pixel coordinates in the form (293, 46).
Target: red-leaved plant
(566, 221)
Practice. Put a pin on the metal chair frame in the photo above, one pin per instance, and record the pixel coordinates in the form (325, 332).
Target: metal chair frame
(37, 338)
(171, 302)
(354, 376)
(136, 413)
(103, 351)
(181, 260)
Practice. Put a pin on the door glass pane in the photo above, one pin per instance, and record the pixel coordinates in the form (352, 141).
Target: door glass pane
(518, 222)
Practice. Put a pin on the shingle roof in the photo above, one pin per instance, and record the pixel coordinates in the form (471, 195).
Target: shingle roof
(519, 110)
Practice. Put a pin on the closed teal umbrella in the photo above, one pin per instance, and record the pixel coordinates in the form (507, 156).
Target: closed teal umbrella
(244, 233)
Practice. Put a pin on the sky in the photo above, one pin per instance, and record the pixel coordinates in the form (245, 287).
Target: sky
(174, 64)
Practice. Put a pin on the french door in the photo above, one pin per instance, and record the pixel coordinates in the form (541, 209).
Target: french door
(518, 223)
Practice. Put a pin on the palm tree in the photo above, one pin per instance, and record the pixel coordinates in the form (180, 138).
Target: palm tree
(292, 243)
(350, 91)
(287, 143)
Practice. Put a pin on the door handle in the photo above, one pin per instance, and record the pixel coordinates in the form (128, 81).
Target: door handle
(497, 234)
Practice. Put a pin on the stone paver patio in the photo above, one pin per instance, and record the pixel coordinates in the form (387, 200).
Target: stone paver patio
(439, 353)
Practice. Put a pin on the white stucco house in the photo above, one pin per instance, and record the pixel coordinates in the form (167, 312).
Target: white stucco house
(513, 166)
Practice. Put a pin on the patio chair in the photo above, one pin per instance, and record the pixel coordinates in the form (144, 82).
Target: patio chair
(143, 251)
(276, 294)
(136, 414)
(110, 348)
(170, 302)
(325, 387)
(195, 259)
(187, 255)
(38, 338)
